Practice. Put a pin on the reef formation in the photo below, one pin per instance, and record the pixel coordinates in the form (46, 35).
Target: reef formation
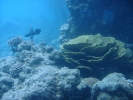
(97, 55)
(39, 72)
(31, 74)
(108, 17)
(88, 66)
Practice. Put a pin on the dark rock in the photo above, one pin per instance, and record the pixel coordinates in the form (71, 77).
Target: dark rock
(104, 16)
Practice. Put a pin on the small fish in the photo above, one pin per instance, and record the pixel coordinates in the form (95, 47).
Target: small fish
(32, 32)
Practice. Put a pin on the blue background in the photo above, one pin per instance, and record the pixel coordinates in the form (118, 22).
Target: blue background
(17, 16)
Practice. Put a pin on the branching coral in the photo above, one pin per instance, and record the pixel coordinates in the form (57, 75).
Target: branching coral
(14, 42)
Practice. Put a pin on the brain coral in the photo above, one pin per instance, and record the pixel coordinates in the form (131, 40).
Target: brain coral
(93, 53)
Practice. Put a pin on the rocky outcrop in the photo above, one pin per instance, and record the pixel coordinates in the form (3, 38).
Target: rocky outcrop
(113, 87)
(99, 16)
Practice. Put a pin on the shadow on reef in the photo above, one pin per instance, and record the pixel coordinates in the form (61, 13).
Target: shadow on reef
(108, 17)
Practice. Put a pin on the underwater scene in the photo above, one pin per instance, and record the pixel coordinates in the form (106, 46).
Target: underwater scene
(66, 49)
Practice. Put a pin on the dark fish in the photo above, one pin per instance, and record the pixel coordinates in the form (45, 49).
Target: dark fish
(32, 32)
(37, 31)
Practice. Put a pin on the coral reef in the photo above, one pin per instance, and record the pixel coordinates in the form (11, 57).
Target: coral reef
(56, 56)
(95, 53)
(14, 42)
(6, 83)
(113, 87)
(49, 49)
(89, 81)
(37, 69)
(94, 16)
(25, 45)
(48, 84)
(15, 70)
(63, 30)
(43, 82)
(37, 72)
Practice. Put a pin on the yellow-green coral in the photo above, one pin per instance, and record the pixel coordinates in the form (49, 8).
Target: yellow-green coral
(92, 50)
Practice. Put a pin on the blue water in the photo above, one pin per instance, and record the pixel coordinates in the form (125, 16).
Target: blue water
(17, 16)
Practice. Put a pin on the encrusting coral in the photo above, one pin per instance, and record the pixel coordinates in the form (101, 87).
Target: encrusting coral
(91, 53)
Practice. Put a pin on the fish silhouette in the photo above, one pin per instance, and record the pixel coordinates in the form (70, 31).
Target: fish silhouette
(32, 32)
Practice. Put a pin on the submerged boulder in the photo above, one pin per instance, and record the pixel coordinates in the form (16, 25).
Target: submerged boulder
(113, 87)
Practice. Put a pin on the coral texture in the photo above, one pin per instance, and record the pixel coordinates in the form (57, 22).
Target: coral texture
(94, 52)
(35, 72)
(14, 42)
(31, 74)
(49, 83)
(113, 87)
(6, 83)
